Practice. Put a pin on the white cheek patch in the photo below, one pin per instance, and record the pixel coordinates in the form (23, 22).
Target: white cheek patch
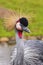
(18, 26)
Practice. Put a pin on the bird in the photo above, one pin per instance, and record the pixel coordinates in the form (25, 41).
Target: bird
(29, 52)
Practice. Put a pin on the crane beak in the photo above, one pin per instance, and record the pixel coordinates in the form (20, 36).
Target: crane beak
(25, 28)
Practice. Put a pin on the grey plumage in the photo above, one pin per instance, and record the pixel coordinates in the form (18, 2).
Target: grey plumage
(33, 53)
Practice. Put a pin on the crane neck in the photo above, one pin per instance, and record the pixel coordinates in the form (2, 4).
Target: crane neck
(20, 48)
(19, 36)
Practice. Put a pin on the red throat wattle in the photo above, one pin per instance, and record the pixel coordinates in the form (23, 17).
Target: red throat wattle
(20, 34)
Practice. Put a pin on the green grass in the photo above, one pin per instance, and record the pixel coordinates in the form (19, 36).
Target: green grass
(4, 32)
(31, 8)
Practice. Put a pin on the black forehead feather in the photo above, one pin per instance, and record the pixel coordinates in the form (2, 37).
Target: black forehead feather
(24, 21)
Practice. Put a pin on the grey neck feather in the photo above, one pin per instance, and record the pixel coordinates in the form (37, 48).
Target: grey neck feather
(20, 50)
(18, 39)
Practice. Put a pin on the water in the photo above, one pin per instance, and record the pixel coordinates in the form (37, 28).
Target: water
(33, 53)
(4, 54)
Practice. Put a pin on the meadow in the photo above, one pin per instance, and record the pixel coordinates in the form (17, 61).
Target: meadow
(33, 9)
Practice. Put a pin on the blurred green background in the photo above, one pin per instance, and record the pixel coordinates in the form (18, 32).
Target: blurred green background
(31, 8)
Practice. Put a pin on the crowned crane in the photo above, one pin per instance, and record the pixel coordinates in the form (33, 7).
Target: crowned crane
(29, 52)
